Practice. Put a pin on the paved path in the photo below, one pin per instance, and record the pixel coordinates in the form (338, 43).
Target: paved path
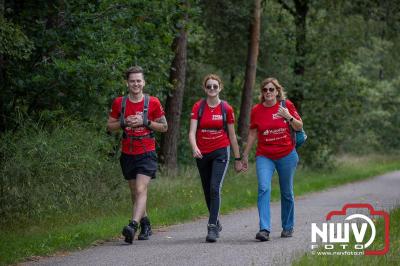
(185, 244)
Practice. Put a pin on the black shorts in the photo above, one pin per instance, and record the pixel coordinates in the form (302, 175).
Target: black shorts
(132, 165)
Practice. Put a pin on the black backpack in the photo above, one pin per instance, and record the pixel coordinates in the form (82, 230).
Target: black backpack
(223, 111)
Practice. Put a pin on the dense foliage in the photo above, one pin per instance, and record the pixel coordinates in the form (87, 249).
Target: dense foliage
(62, 63)
(56, 173)
(80, 50)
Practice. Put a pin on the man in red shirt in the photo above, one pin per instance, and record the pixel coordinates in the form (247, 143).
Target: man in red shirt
(138, 115)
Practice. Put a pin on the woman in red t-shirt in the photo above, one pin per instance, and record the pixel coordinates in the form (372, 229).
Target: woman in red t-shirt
(211, 134)
(270, 124)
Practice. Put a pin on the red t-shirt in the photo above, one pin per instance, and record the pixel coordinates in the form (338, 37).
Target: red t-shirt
(211, 135)
(155, 112)
(274, 140)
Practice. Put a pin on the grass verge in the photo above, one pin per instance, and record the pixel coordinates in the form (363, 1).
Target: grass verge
(172, 199)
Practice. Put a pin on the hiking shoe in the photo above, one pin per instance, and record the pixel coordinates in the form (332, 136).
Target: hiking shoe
(145, 229)
(129, 231)
(219, 228)
(212, 233)
(263, 235)
(287, 233)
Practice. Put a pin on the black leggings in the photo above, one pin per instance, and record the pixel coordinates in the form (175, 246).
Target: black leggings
(212, 168)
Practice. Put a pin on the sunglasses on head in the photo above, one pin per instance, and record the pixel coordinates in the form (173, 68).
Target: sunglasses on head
(214, 87)
(271, 89)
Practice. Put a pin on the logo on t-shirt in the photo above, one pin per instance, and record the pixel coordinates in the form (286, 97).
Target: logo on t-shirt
(276, 116)
(217, 117)
(274, 131)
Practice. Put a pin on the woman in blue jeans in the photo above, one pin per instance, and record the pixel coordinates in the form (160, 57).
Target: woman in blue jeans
(270, 124)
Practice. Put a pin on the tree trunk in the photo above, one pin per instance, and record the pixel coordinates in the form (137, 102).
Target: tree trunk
(250, 75)
(173, 106)
(299, 64)
(2, 77)
(385, 5)
(300, 15)
(2, 117)
(2, 7)
(300, 21)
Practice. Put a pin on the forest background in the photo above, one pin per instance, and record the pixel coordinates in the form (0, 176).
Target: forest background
(62, 64)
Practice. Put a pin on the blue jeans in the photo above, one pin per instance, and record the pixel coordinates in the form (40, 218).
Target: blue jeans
(286, 167)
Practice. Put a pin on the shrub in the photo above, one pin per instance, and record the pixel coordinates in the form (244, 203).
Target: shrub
(45, 172)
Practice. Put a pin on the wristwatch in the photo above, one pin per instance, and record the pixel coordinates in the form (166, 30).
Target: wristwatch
(148, 123)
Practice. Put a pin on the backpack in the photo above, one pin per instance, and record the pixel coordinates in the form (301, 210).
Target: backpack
(298, 137)
(145, 119)
(223, 111)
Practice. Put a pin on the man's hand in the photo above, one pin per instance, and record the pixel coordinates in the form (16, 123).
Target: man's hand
(134, 121)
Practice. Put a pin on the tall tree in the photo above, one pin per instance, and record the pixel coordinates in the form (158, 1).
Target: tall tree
(2, 118)
(1, 56)
(15, 49)
(58, 55)
(299, 12)
(173, 106)
(250, 74)
(226, 23)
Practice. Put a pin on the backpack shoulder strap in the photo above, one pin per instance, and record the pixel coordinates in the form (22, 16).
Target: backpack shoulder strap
(122, 114)
(224, 120)
(200, 112)
(146, 109)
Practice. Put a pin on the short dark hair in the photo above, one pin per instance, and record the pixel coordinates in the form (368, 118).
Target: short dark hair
(133, 69)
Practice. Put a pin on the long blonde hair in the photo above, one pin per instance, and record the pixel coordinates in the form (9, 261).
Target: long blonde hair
(281, 91)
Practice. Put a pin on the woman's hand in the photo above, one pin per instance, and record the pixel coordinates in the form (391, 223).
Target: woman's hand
(238, 166)
(245, 163)
(295, 123)
(197, 153)
(192, 139)
(284, 112)
(251, 138)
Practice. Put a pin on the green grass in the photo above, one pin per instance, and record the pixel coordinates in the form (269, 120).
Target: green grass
(172, 199)
(390, 258)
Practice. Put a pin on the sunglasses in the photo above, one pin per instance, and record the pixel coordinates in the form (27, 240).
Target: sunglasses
(271, 89)
(212, 87)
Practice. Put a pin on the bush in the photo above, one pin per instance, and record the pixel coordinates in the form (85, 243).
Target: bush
(45, 172)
